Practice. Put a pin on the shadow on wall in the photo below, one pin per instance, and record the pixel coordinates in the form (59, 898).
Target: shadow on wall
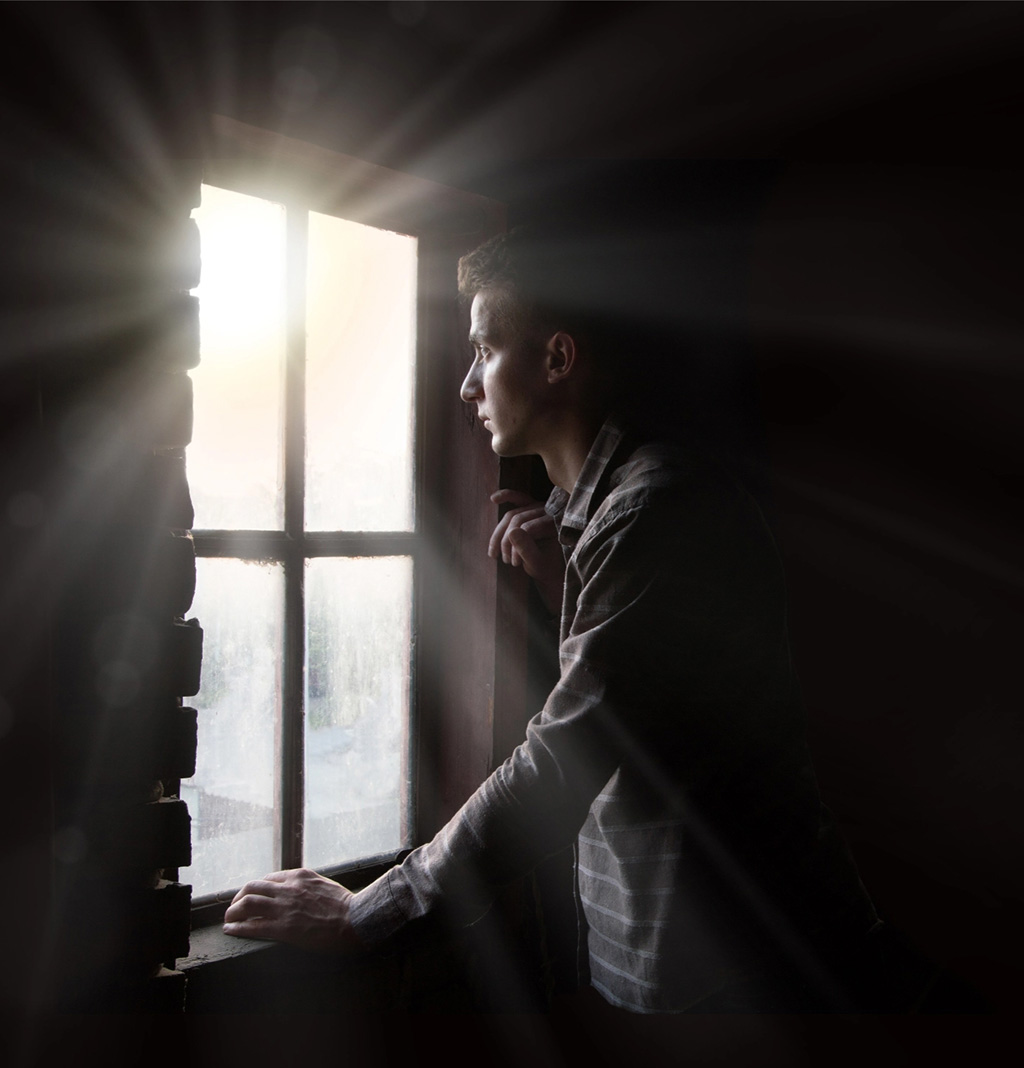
(886, 331)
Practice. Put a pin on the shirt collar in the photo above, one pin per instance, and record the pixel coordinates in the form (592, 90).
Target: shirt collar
(573, 510)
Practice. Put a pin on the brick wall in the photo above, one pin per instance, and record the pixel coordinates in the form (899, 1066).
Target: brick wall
(125, 656)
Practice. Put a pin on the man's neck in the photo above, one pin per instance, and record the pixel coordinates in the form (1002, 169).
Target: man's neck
(565, 457)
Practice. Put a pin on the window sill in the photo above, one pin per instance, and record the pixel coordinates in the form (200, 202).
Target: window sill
(436, 969)
(210, 945)
(227, 975)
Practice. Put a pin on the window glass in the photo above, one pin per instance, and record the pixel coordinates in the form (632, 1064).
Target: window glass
(360, 348)
(356, 418)
(231, 795)
(358, 616)
(235, 459)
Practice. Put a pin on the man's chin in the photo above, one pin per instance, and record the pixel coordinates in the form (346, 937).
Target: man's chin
(504, 448)
(510, 452)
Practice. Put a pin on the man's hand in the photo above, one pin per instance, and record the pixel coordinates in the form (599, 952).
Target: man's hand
(296, 906)
(526, 536)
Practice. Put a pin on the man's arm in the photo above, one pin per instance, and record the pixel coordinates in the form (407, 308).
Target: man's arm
(609, 705)
(306, 909)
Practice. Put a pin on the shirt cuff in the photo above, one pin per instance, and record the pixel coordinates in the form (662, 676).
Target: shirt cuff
(373, 914)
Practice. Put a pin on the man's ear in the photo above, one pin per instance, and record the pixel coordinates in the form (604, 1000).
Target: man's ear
(562, 353)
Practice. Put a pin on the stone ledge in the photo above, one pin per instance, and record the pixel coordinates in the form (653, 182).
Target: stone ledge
(209, 945)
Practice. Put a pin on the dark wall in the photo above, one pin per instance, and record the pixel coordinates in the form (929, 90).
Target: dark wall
(885, 301)
(857, 165)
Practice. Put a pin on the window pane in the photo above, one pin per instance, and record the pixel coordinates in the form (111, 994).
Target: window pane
(358, 615)
(234, 461)
(360, 352)
(231, 796)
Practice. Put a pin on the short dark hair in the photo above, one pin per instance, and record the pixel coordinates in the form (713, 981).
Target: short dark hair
(494, 265)
(547, 278)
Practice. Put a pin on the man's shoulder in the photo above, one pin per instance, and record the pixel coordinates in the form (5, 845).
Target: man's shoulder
(660, 493)
(659, 473)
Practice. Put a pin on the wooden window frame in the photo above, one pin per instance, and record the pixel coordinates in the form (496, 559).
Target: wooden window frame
(468, 692)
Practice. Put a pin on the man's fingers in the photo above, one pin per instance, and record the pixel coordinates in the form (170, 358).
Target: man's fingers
(249, 888)
(524, 537)
(494, 545)
(540, 528)
(523, 507)
(267, 886)
(251, 905)
(522, 549)
(286, 876)
(499, 543)
(528, 526)
(525, 550)
(254, 927)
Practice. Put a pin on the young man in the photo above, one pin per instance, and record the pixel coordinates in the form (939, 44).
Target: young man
(671, 751)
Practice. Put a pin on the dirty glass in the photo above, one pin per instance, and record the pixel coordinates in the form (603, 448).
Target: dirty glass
(235, 459)
(360, 349)
(358, 616)
(231, 795)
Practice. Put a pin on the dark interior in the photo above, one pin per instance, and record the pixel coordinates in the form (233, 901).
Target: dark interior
(834, 194)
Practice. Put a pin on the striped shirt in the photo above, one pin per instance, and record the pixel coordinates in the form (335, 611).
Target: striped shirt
(671, 750)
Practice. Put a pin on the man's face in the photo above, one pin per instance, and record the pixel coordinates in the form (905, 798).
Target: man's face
(507, 379)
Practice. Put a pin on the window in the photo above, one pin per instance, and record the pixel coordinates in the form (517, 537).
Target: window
(327, 435)
(313, 531)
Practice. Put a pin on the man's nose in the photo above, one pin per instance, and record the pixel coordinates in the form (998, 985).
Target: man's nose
(471, 384)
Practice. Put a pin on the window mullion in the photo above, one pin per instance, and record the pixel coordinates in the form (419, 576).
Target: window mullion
(290, 761)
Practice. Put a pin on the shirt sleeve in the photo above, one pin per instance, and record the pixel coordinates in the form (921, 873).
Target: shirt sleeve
(640, 623)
